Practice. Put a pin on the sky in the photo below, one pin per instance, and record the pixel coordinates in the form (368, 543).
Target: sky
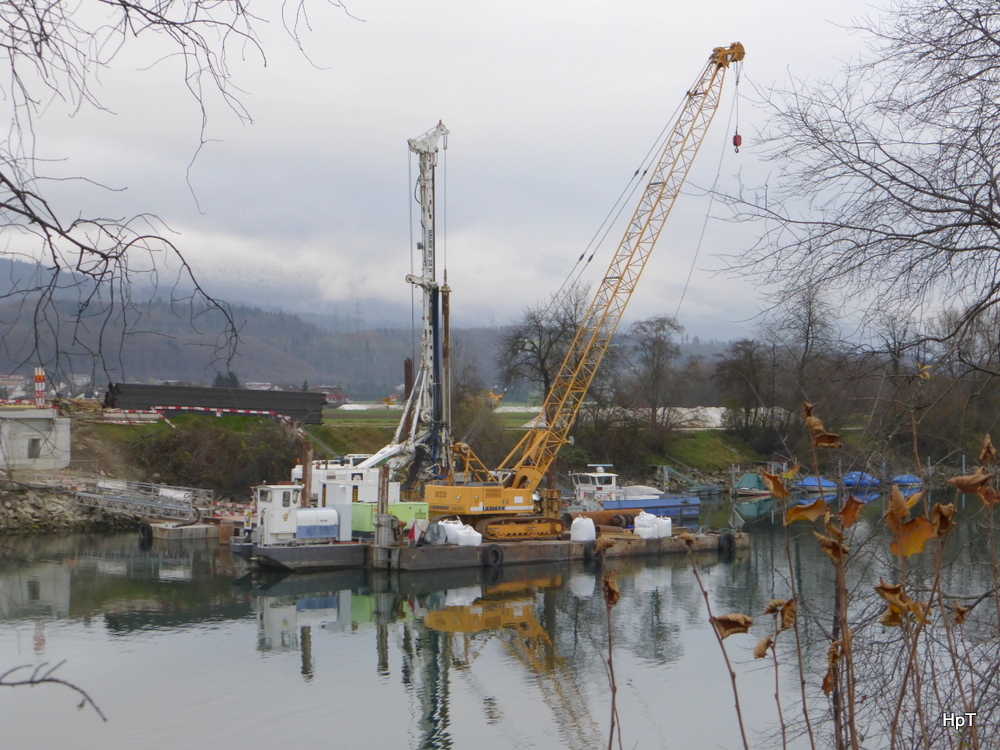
(551, 107)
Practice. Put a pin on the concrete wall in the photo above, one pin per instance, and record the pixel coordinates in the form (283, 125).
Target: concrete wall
(34, 439)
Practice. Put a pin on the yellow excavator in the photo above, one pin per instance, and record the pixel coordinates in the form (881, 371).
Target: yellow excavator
(507, 503)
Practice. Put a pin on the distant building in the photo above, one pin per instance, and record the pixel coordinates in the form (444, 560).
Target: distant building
(333, 394)
(12, 381)
(258, 386)
(34, 439)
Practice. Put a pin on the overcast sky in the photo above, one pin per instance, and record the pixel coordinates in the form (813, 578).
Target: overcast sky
(551, 107)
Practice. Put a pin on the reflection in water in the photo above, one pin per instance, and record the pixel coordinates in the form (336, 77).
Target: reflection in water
(506, 612)
(491, 658)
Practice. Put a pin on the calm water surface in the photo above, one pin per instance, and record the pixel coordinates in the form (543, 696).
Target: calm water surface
(180, 648)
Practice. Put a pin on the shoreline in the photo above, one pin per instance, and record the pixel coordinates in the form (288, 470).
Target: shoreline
(29, 510)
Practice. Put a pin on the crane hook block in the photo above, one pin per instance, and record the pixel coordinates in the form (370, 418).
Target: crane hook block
(737, 141)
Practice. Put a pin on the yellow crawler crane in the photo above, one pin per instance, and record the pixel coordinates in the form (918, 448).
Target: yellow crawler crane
(506, 503)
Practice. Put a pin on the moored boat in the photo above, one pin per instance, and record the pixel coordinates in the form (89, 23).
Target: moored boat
(281, 533)
(816, 484)
(860, 480)
(599, 490)
(751, 485)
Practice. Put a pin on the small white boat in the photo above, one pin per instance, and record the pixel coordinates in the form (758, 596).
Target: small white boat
(599, 490)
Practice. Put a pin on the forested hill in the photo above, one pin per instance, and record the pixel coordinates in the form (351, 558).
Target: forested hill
(177, 343)
(164, 341)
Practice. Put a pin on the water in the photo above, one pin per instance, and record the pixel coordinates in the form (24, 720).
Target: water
(178, 647)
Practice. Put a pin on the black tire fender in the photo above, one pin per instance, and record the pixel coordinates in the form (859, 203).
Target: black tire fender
(492, 556)
(590, 551)
(727, 542)
(493, 576)
(145, 530)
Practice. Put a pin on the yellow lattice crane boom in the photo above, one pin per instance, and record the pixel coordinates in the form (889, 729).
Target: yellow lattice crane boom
(510, 490)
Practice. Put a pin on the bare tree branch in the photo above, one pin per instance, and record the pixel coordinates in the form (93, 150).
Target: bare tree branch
(43, 674)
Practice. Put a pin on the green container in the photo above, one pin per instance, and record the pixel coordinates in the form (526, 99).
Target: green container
(363, 520)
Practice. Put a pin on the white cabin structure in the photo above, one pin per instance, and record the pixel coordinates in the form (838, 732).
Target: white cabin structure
(37, 439)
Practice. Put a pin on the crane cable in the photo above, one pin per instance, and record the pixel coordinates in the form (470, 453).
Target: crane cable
(443, 212)
(614, 213)
(733, 112)
(413, 297)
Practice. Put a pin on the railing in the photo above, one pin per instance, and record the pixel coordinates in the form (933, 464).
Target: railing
(135, 505)
(143, 498)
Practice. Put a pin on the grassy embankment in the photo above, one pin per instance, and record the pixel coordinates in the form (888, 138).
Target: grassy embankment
(363, 431)
(709, 451)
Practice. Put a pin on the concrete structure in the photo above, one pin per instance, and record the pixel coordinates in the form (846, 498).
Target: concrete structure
(36, 439)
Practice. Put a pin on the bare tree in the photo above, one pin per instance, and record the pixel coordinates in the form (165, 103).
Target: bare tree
(82, 296)
(534, 347)
(886, 177)
(651, 355)
(744, 373)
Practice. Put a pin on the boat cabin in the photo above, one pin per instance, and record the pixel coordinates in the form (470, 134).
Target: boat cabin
(277, 516)
(597, 485)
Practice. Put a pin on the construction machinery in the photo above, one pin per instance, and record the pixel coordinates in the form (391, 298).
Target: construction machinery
(507, 502)
(422, 443)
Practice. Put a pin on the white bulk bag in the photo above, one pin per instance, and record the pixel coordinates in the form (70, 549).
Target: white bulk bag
(665, 527)
(645, 520)
(451, 528)
(582, 530)
(468, 537)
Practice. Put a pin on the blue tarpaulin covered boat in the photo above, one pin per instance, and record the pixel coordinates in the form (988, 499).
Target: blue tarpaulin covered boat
(812, 484)
(860, 479)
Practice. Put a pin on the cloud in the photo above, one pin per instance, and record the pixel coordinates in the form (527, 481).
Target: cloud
(552, 106)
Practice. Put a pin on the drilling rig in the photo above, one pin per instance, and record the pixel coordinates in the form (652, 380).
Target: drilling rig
(422, 443)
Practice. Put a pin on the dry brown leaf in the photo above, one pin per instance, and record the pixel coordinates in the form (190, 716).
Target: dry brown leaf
(727, 625)
(943, 518)
(894, 594)
(897, 511)
(774, 485)
(913, 499)
(827, 440)
(774, 606)
(912, 537)
(760, 650)
(832, 547)
(850, 511)
(989, 495)
(788, 614)
(828, 681)
(807, 410)
(988, 454)
(961, 613)
(833, 654)
(611, 592)
(810, 512)
(891, 618)
(832, 528)
(603, 543)
(972, 482)
(920, 610)
(815, 426)
(791, 473)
